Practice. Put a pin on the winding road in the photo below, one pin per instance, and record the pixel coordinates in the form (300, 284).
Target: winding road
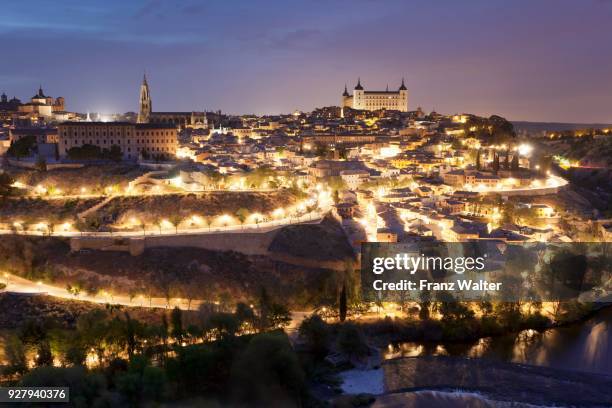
(17, 284)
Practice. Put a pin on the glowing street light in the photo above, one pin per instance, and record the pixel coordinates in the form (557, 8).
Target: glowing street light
(196, 220)
(278, 213)
(525, 149)
(255, 218)
(225, 220)
(165, 224)
(177, 181)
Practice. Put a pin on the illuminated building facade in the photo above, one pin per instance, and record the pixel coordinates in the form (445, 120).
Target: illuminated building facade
(134, 140)
(376, 100)
(42, 105)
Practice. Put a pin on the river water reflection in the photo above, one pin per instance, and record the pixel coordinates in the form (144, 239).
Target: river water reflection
(586, 346)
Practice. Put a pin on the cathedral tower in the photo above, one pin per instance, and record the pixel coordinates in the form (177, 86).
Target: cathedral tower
(145, 102)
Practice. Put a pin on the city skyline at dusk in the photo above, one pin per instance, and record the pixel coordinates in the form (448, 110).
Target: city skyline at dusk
(537, 61)
(306, 204)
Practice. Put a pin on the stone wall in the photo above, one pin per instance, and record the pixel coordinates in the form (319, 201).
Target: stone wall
(248, 243)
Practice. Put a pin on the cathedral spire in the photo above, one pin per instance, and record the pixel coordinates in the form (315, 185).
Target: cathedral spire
(145, 101)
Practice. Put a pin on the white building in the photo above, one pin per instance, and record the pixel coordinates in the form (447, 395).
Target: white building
(376, 100)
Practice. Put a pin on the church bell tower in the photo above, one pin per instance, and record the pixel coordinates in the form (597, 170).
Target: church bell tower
(145, 102)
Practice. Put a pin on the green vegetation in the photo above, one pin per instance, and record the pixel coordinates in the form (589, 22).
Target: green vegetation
(495, 129)
(6, 182)
(91, 152)
(111, 359)
(23, 147)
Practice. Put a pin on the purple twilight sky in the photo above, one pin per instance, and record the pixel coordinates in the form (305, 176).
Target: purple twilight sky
(541, 60)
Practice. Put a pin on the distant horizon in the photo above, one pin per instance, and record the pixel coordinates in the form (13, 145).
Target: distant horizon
(166, 107)
(411, 108)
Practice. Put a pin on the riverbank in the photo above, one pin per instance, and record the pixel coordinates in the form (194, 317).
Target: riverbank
(383, 333)
(498, 381)
(443, 399)
(580, 350)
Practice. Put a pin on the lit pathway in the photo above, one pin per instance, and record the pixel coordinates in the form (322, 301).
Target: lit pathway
(153, 231)
(16, 284)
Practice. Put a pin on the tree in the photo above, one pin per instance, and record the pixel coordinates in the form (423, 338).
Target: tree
(242, 215)
(14, 353)
(501, 130)
(22, 147)
(514, 165)
(352, 342)
(131, 329)
(176, 324)
(478, 165)
(268, 373)
(158, 223)
(114, 153)
(495, 164)
(452, 310)
(245, 314)
(92, 328)
(176, 219)
(6, 188)
(74, 290)
(316, 335)
(221, 325)
(85, 388)
(44, 357)
(85, 152)
(264, 303)
(321, 149)
(342, 304)
(280, 316)
(41, 164)
(424, 303)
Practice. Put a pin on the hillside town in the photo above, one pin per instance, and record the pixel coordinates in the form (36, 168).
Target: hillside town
(173, 242)
(272, 204)
(393, 174)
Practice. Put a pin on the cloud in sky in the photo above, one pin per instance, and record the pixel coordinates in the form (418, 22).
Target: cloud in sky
(534, 60)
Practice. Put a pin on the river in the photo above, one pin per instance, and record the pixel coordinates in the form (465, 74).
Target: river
(562, 367)
(584, 346)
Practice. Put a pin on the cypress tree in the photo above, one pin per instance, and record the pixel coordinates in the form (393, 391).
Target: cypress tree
(495, 162)
(515, 162)
(342, 305)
